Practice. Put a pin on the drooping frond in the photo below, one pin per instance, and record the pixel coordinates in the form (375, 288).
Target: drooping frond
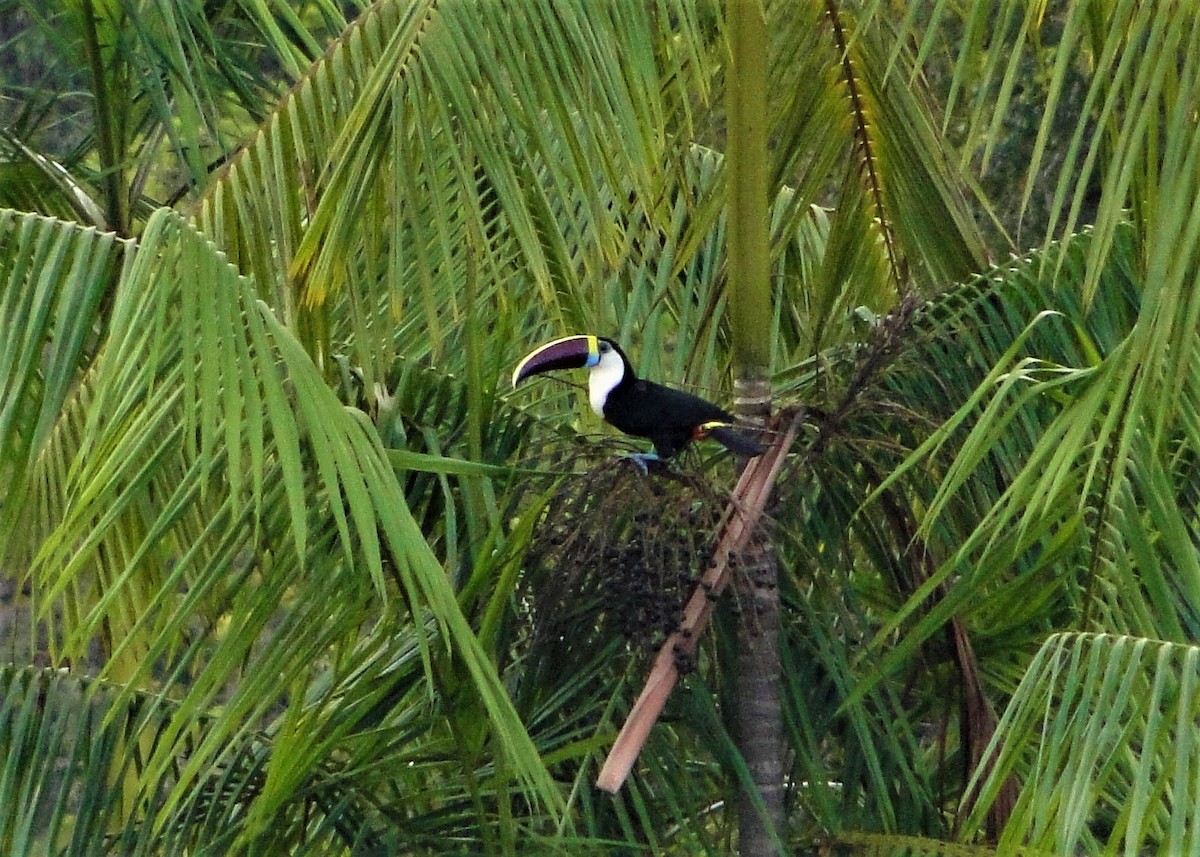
(117, 107)
(1102, 734)
(208, 458)
(1131, 149)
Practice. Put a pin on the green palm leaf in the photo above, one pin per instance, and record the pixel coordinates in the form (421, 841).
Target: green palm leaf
(270, 489)
(1101, 732)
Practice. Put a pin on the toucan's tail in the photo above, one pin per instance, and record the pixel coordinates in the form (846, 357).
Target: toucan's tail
(733, 439)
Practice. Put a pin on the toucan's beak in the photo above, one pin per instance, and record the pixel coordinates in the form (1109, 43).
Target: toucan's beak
(570, 352)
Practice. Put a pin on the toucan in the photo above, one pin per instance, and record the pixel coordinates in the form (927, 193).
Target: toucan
(669, 418)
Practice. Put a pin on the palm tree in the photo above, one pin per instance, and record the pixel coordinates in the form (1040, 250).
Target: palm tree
(287, 531)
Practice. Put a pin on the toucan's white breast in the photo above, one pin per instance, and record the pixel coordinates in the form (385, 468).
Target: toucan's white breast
(604, 376)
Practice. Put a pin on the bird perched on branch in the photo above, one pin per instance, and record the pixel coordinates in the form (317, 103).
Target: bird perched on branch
(668, 418)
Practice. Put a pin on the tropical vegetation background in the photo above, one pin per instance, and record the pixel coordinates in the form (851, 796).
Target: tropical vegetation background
(277, 541)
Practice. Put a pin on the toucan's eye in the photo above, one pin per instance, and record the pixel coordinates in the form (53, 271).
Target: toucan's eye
(605, 348)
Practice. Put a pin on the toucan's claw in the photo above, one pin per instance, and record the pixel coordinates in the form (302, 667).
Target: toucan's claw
(641, 460)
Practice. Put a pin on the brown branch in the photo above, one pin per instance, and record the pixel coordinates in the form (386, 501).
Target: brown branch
(978, 718)
(739, 522)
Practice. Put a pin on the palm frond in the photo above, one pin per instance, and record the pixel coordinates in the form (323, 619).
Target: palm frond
(140, 102)
(1101, 733)
(277, 525)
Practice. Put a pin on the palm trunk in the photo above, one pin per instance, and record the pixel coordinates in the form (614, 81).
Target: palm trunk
(760, 721)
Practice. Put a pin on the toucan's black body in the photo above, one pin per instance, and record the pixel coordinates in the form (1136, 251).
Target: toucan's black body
(668, 418)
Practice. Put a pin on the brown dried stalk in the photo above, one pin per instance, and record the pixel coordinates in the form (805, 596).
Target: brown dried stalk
(741, 517)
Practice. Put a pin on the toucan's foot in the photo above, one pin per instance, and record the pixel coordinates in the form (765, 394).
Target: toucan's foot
(641, 461)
